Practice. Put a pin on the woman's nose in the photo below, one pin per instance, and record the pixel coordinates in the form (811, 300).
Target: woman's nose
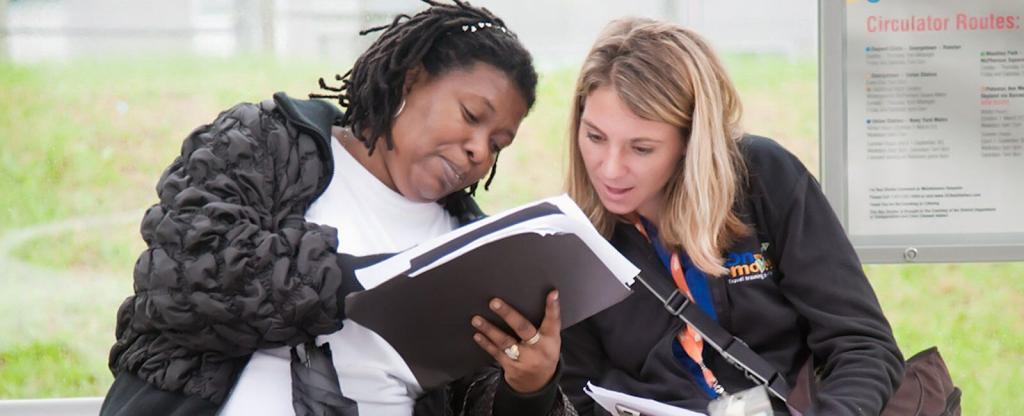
(478, 147)
(613, 165)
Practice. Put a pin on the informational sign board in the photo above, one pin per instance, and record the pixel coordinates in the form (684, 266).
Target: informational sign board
(922, 127)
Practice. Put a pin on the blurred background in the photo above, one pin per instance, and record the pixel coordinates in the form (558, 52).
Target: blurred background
(97, 95)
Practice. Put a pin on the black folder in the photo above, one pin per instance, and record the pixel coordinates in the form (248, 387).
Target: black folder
(426, 318)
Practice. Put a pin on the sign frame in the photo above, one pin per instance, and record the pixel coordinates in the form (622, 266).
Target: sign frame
(834, 168)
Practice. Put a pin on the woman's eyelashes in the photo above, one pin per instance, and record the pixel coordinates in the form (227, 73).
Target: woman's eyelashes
(469, 116)
(643, 150)
(638, 149)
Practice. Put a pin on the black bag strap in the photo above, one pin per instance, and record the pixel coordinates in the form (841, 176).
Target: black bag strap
(735, 351)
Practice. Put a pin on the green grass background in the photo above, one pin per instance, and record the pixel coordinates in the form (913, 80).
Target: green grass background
(90, 137)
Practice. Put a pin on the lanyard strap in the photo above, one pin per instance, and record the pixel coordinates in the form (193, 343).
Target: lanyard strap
(688, 338)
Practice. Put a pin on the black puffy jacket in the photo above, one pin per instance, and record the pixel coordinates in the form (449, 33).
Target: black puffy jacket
(232, 265)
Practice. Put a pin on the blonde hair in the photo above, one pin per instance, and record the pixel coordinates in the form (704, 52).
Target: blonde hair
(666, 73)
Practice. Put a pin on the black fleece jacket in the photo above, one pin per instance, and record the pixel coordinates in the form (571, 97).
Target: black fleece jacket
(795, 289)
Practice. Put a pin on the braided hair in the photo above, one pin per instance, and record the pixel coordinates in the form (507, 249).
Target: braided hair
(439, 39)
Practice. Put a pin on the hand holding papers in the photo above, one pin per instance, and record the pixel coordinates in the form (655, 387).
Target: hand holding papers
(421, 300)
(621, 404)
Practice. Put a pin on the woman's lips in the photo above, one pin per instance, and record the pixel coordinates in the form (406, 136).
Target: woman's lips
(615, 192)
(451, 175)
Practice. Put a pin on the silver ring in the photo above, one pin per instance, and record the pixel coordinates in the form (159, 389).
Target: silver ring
(534, 339)
(513, 352)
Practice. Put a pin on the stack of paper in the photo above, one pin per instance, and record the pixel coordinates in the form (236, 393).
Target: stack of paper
(621, 404)
(421, 300)
(557, 215)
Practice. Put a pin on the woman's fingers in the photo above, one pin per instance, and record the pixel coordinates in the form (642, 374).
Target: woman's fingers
(492, 333)
(496, 352)
(520, 325)
(552, 324)
(536, 351)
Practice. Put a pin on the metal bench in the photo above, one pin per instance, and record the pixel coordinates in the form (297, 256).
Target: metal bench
(79, 406)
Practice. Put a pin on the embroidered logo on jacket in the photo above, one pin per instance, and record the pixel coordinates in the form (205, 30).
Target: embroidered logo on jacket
(747, 266)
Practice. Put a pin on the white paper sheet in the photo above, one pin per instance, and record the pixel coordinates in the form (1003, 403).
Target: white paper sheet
(571, 221)
(615, 402)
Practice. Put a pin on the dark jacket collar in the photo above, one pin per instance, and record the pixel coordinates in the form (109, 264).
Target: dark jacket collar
(637, 249)
(316, 117)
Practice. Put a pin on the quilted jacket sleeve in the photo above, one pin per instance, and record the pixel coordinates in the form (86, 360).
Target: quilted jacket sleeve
(481, 395)
(231, 264)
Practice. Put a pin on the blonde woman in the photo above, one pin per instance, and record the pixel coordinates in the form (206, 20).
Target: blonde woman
(661, 166)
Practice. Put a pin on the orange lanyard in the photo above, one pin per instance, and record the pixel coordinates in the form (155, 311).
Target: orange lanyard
(688, 338)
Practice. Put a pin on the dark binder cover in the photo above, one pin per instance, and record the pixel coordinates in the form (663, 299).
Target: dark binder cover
(426, 318)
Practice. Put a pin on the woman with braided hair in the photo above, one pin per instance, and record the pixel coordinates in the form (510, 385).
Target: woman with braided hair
(239, 297)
